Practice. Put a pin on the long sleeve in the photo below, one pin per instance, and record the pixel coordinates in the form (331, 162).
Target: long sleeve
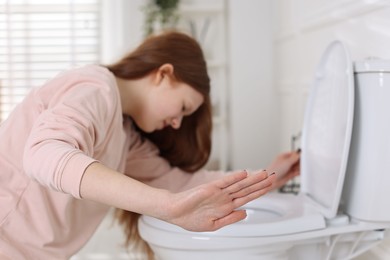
(46, 144)
(144, 164)
(74, 121)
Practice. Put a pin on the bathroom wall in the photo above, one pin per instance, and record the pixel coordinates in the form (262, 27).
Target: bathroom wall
(302, 30)
(253, 107)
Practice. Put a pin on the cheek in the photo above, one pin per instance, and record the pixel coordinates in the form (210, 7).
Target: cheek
(162, 109)
(154, 110)
(152, 114)
(159, 107)
(143, 118)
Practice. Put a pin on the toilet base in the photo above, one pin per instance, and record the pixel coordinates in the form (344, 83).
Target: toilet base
(276, 252)
(342, 246)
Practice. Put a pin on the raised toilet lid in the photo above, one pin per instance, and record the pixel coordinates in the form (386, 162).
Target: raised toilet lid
(327, 130)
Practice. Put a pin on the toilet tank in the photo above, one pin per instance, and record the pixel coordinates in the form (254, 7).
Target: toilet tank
(367, 183)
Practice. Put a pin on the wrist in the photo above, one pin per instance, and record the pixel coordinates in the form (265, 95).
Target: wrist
(164, 209)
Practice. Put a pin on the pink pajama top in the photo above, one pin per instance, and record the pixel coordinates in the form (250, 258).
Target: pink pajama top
(45, 146)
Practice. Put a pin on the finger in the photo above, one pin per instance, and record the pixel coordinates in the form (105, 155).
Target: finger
(231, 179)
(250, 180)
(239, 202)
(296, 166)
(255, 187)
(295, 156)
(280, 182)
(233, 217)
(292, 157)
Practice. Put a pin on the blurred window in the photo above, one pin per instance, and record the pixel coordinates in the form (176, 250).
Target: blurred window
(40, 38)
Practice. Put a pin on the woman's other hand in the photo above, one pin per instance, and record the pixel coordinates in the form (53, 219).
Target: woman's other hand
(286, 167)
(211, 206)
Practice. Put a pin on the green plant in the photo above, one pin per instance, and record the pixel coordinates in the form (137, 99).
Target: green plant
(161, 12)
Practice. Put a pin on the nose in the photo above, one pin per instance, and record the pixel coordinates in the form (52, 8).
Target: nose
(176, 122)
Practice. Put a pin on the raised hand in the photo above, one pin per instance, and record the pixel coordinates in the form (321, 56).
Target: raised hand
(286, 167)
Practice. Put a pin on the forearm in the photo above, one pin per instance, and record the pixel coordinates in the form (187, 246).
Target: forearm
(204, 208)
(176, 180)
(104, 185)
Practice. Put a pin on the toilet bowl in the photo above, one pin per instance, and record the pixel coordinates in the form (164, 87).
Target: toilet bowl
(323, 221)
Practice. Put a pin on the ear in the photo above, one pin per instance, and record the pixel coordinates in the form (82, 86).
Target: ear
(165, 70)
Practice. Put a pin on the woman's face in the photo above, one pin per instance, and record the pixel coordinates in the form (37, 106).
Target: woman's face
(167, 103)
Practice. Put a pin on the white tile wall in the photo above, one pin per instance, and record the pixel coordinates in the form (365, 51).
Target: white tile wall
(303, 28)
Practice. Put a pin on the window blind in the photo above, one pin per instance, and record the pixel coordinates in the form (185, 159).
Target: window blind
(40, 38)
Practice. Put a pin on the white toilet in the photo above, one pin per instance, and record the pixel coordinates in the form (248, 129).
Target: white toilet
(341, 210)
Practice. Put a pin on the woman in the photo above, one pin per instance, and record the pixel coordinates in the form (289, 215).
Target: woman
(127, 136)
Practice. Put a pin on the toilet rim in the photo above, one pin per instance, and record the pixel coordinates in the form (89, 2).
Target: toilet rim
(271, 215)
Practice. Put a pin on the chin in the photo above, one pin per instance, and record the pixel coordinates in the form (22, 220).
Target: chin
(145, 128)
(148, 130)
